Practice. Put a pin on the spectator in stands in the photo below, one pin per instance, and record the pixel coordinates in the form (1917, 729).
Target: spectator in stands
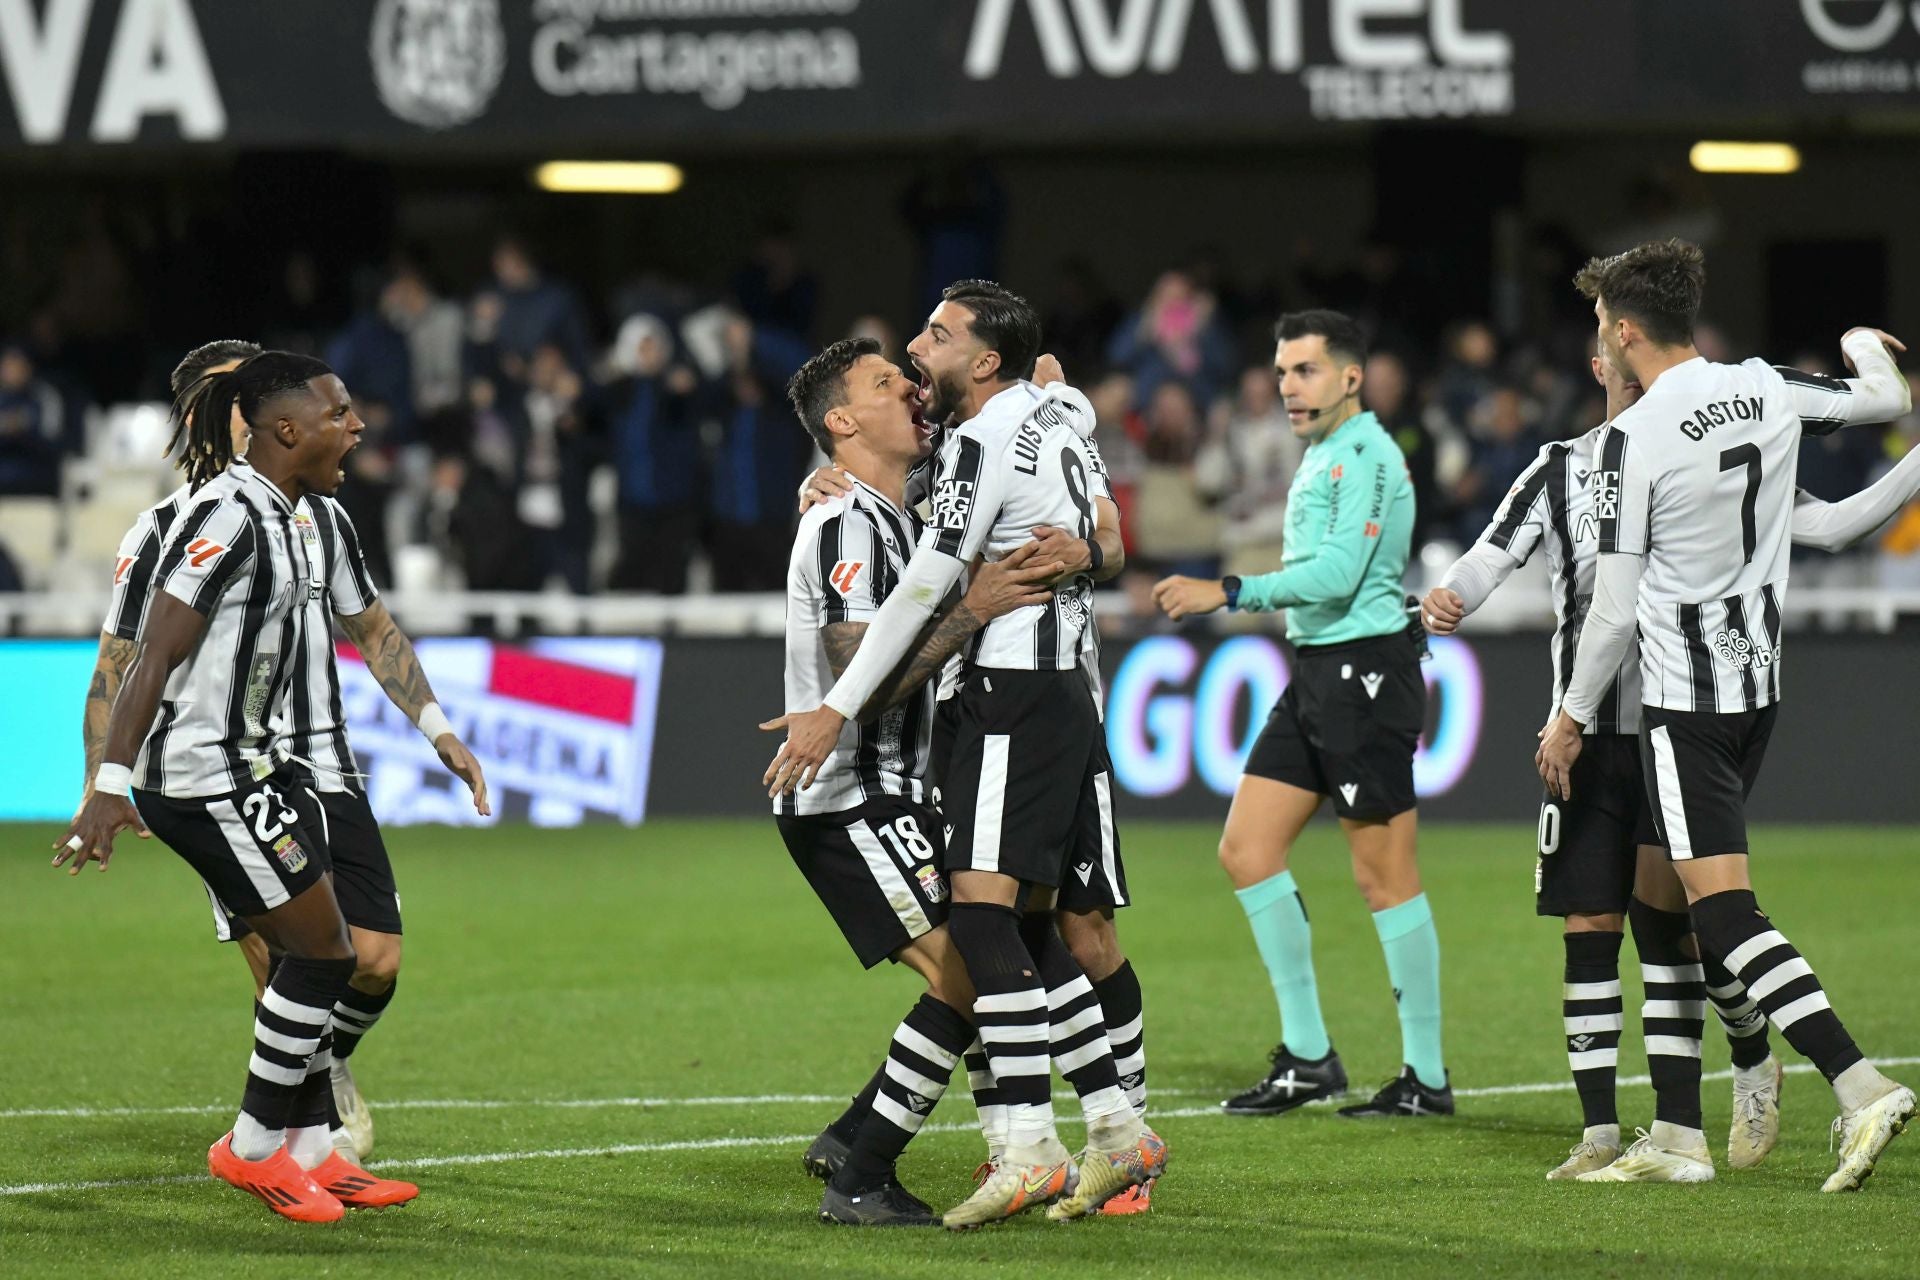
(1467, 372)
(371, 356)
(553, 463)
(762, 451)
(1387, 391)
(1505, 441)
(368, 495)
(531, 311)
(1175, 526)
(1245, 467)
(30, 444)
(433, 328)
(1175, 336)
(773, 288)
(469, 517)
(655, 438)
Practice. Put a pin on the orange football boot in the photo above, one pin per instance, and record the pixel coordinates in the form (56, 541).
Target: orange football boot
(287, 1189)
(355, 1188)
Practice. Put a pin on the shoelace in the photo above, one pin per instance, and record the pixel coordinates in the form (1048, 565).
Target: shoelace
(1641, 1139)
(1835, 1133)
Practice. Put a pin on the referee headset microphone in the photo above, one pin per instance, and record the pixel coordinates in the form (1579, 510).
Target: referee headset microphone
(1352, 390)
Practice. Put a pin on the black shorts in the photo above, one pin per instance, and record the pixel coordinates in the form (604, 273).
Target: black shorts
(876, 869)
(362, 872)
(1347, 726)
(1587, 844)
(1700, 766)
(256, 848)
(1026, 782)
(1096, 883)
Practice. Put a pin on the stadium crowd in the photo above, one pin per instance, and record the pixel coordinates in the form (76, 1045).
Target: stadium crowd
(528, 433)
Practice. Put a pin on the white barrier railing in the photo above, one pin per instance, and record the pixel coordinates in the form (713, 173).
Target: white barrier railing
(1521, 607)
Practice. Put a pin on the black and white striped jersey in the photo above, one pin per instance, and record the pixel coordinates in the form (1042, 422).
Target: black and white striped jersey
(1698, 478)
(1551, 507)
(316, 725)
(339, 585)
(1022, 461)
(231, 553)
(846, 559)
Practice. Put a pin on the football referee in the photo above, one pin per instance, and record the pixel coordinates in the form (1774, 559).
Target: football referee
(1345, 729)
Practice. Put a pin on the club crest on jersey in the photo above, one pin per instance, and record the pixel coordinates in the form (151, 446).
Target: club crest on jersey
(291, 855)
(952, 503)
(931, 882)
(845, 574)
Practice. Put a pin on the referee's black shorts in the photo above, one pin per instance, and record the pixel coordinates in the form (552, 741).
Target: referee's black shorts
(256, 848)
(1588, 845)
(876, 869)
(1097, 879)
(1700, 766)
(1347, 726)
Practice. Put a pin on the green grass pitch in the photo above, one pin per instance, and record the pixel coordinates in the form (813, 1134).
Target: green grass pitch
(551, 975)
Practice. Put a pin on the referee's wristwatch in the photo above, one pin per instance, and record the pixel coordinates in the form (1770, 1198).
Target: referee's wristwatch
(1231, 585)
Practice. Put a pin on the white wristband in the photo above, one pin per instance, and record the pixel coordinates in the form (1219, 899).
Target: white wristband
(433, 722)
(113, 780)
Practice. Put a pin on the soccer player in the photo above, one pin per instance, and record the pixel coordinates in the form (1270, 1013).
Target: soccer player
(362, 872)
(865, 835)
(1025, 789)
(1346, 728)
(1087, 900)
(216, 652)
(1599, 865)
(1693, 497)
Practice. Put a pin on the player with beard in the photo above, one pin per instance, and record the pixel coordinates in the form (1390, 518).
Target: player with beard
(362, 872)
(1027, 793)
(1600, 866)
(1087, 900)
(1693, 493)
(216, 652)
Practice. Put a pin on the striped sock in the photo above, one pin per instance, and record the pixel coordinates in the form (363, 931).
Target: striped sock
(1740, 1017)
(1592, 1014)
(1119, 994)
(309, 1129)
(1010, 1010)
(1674, 1013)
(354, 1015)
(987, 1101)
(1077, 1026)
(1784, 985)
(288, 1029)
(926, 1045)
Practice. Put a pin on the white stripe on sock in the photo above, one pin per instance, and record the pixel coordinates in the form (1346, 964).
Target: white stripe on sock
(1779, 976)
(1800, 1008)
(1672, 1047)
(1760, 942)
(1589, 990)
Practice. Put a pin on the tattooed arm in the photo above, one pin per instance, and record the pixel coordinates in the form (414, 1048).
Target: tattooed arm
(998, 588)
(109, 669)
(390, 657)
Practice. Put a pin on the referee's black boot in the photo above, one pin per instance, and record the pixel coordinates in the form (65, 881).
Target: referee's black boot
(887, 1205)
(1404, 1096)
(1293, 1082)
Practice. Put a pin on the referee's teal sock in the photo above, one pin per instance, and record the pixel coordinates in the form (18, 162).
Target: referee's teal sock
(1280, 930)
(1413, 963)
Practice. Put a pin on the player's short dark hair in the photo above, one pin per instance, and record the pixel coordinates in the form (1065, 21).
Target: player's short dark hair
(1657, 285)
(821, 386)
(1003, 321)
(202, 442)
(196, 362)
(1344, 337)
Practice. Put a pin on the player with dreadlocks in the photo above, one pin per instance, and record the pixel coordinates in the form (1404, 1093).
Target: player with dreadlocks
(240, 602)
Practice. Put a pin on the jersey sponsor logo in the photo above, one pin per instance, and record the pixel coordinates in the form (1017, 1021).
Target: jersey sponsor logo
(291, 855)
(845, 574)
(1337, 472)
(953, 503)
(1606, 495)
(201, 550)
(1742, 651)
(1373, 529)
(120, 569)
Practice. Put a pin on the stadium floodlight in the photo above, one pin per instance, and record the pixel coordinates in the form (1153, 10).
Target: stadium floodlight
(1745, 157)
(610, 177)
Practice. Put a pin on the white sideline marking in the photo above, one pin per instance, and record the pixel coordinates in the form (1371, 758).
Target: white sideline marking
(723, 1144)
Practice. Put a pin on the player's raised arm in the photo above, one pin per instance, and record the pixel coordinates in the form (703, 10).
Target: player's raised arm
(1835, 526)
(1879, 393)
(1503, 546)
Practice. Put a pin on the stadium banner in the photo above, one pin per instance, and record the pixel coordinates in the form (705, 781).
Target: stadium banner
(545, 75)
(575, 730)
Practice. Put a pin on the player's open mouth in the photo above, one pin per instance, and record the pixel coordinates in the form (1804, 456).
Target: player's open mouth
(920, 397)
